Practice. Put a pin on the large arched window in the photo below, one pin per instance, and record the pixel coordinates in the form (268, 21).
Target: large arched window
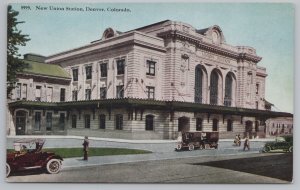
(149, 122)
(198, 84)
(214, 78)
(228, 90)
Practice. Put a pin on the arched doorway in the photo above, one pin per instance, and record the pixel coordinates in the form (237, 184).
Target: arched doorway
(183, 124)
(20, 122)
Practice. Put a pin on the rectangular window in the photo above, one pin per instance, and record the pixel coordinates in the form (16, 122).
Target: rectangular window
(103, 93)
(87, 121)
(102, 121)
(256, 104)
(119, 122)
(38, 93)
(150, 68)
(18, 91)
(61, 123)
(74, 121)
(88, 72)
(37, 123)
(199, 124)
(49, 121)
(149, 122)
(49, 94)
(103, 69)
(120, 67)
(257, 88)
(120, 91)
(215, 125)
(74, 95)
(150, 92)
(88, 94)
(62, 94)
(229, 125)
(24, 92)
(75, 74)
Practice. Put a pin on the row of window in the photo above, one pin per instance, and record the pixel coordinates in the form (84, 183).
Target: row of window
(118, 121)
(37, 123)
(120, 69)
(49, 94)
(150, 91)
(199, 124)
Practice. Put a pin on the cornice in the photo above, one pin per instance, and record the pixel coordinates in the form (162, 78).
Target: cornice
(198, 41)
(130, 42)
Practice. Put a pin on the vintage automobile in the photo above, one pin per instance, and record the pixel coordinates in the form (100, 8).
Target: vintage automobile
(201, 140)
(28, 154)
(280, 143)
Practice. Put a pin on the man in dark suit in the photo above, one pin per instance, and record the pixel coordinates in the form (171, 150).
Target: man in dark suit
(85, 148)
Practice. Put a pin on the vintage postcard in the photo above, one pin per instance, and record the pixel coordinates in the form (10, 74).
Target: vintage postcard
(150, 92)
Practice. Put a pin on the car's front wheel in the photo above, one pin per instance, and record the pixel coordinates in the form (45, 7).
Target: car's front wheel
(291, 149)
(53, 166)
(266, 149)
(191, 147)
(8, 170)
(179, 147)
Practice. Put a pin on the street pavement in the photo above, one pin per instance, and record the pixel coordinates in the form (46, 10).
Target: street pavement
(244, 168)
(161, 150)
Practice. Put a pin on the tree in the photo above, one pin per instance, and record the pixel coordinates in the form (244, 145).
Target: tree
(15, 38)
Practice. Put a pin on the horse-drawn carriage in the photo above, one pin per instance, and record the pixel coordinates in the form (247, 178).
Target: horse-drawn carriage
(201, 140)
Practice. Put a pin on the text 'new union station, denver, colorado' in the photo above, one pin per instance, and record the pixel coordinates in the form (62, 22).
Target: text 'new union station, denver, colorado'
(146, 83)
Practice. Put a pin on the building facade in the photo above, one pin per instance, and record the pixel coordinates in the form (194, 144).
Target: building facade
(147, 83)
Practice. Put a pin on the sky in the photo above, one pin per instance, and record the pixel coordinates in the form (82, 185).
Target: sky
(269, 28)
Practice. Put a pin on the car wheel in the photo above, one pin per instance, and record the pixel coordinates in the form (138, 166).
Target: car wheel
(191, 147)
(291, 149)
(8, 170)
(53, 166)
(179, 147)
(266, 149)
(202, 146)
(207, 146)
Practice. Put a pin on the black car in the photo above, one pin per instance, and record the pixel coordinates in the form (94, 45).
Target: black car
(280, 143)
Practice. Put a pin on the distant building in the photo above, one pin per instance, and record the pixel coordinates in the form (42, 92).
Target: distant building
(147, 83)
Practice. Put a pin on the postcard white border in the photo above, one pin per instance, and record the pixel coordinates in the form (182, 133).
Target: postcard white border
(87, 186)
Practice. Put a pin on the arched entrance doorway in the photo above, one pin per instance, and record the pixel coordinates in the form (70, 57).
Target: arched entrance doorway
(20, 122)
(183, 124)
(248, 128)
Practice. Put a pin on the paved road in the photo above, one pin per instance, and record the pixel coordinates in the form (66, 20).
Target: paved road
(246, 168)
(154, 147)
(161, 151)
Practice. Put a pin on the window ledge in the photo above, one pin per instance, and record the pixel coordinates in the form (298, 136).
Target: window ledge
(150, 76)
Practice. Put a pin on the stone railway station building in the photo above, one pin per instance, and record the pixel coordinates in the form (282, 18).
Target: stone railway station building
(147, 83)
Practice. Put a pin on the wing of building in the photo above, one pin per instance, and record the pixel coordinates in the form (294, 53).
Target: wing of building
(147, 83)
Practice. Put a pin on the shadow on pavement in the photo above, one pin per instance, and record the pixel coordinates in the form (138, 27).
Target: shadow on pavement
(28, 172)
(274, 166)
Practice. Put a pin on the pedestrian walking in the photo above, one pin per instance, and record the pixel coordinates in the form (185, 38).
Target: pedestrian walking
(85, 148)
(247, 143)
(239, 138)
